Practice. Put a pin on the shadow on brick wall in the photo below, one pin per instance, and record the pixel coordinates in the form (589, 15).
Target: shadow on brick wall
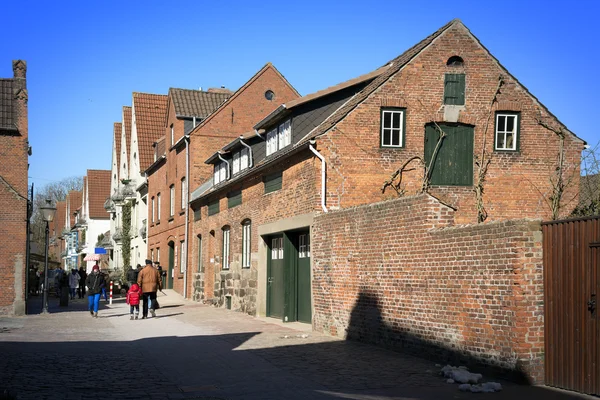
(367, 325)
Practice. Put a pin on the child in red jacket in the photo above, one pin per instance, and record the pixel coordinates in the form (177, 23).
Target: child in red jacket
(133, 299)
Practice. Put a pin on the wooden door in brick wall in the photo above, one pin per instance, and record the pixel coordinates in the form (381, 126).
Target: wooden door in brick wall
(303, 292)
(571, 291)
(275, 277)
(452, 157)
(169, 278)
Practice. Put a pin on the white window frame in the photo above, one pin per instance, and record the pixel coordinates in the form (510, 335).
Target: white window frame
(183, 193)
(220, 173)
(153, 209)
(158, 255)
(158, 207)
(246, 243)
(304, 246)
(226, 237)
(393, 129)
(182, 258)
(172, 200)
(514, 132)
(279, 137)
(271, 142)
(172, 135)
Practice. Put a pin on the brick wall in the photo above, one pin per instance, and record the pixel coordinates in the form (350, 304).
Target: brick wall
(399, 274)
(298, 196)
(358, 165)
(13, 201)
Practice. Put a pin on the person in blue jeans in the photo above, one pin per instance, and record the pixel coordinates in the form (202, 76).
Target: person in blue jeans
(94, 283)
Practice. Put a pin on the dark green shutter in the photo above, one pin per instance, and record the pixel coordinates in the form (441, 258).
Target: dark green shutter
(273, 182)
(197, 214)
(213, 208)
(234, 198)
(454, 89)
(453, 164)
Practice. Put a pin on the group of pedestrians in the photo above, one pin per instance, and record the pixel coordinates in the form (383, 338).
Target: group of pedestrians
(145, 282)
(143, 286)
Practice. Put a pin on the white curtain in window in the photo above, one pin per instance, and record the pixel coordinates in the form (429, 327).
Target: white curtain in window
(183, 194)
(236, 162)
(272, 142)
(244, 159)
(287, 133)
(216, 174)
(222, 172)
(182, 257)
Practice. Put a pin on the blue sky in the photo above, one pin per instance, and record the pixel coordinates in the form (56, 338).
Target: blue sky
(86, 58)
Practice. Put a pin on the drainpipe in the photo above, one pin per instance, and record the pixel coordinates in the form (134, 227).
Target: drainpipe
(187, 222)
(226, 162)
(249, 151)
(323, 168)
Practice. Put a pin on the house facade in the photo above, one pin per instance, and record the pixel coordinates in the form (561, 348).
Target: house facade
(232, 118)
(14, 147)
(423, 123)
(167, 183)
(95, 218)
(71, 231)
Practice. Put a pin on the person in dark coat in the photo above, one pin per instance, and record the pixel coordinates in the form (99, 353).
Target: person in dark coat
(94, 283)
(82, 278)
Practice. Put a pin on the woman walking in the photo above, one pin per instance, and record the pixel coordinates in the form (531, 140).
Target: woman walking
(94, 283)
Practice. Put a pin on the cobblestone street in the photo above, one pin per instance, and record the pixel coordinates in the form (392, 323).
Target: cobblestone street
(193, 351)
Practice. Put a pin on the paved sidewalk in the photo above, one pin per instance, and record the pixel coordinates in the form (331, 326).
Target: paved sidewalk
(194, 351)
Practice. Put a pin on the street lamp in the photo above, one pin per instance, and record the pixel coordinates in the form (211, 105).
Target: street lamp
(47, 215)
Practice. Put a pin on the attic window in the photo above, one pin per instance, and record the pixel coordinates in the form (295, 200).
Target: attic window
(455, 61)
(269, 95)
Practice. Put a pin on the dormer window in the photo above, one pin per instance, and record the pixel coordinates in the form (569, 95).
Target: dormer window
(220, 173)
(279, 137)
(240, 160)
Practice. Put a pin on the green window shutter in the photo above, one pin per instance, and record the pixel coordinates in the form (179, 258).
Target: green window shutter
(234, 198)
(197, 214)
(273, 182)
(213, 208)
(453, 165)
(454, 89)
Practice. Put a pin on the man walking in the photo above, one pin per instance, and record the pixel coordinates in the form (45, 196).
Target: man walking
(150, 281)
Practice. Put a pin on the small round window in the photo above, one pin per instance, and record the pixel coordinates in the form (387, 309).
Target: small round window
(269, 95)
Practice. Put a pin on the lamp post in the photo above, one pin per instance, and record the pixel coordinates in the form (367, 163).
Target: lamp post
(48, 212)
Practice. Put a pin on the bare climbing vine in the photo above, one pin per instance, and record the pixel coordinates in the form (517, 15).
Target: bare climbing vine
(482, 163)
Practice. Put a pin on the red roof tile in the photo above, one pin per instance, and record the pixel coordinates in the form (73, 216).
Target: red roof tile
(117, 131)
(98, 191)
(150, 112)
(127, 124)
(74, 199)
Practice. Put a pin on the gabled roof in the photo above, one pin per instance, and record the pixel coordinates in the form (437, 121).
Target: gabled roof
(241, 90)
(150, 111)
(98, 190)
(195, 103)
(8, 117)
(117, 130)
(394, 66)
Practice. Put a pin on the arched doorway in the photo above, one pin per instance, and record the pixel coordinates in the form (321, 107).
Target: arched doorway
(169, 278)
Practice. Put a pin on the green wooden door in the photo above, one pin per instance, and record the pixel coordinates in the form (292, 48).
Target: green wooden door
(275, 280)
(169, 278)
(453, 163)
(303, 278)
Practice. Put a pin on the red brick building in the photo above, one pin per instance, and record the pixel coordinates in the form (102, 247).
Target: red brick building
(198, 123)
(367, 172)
(14, 150)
